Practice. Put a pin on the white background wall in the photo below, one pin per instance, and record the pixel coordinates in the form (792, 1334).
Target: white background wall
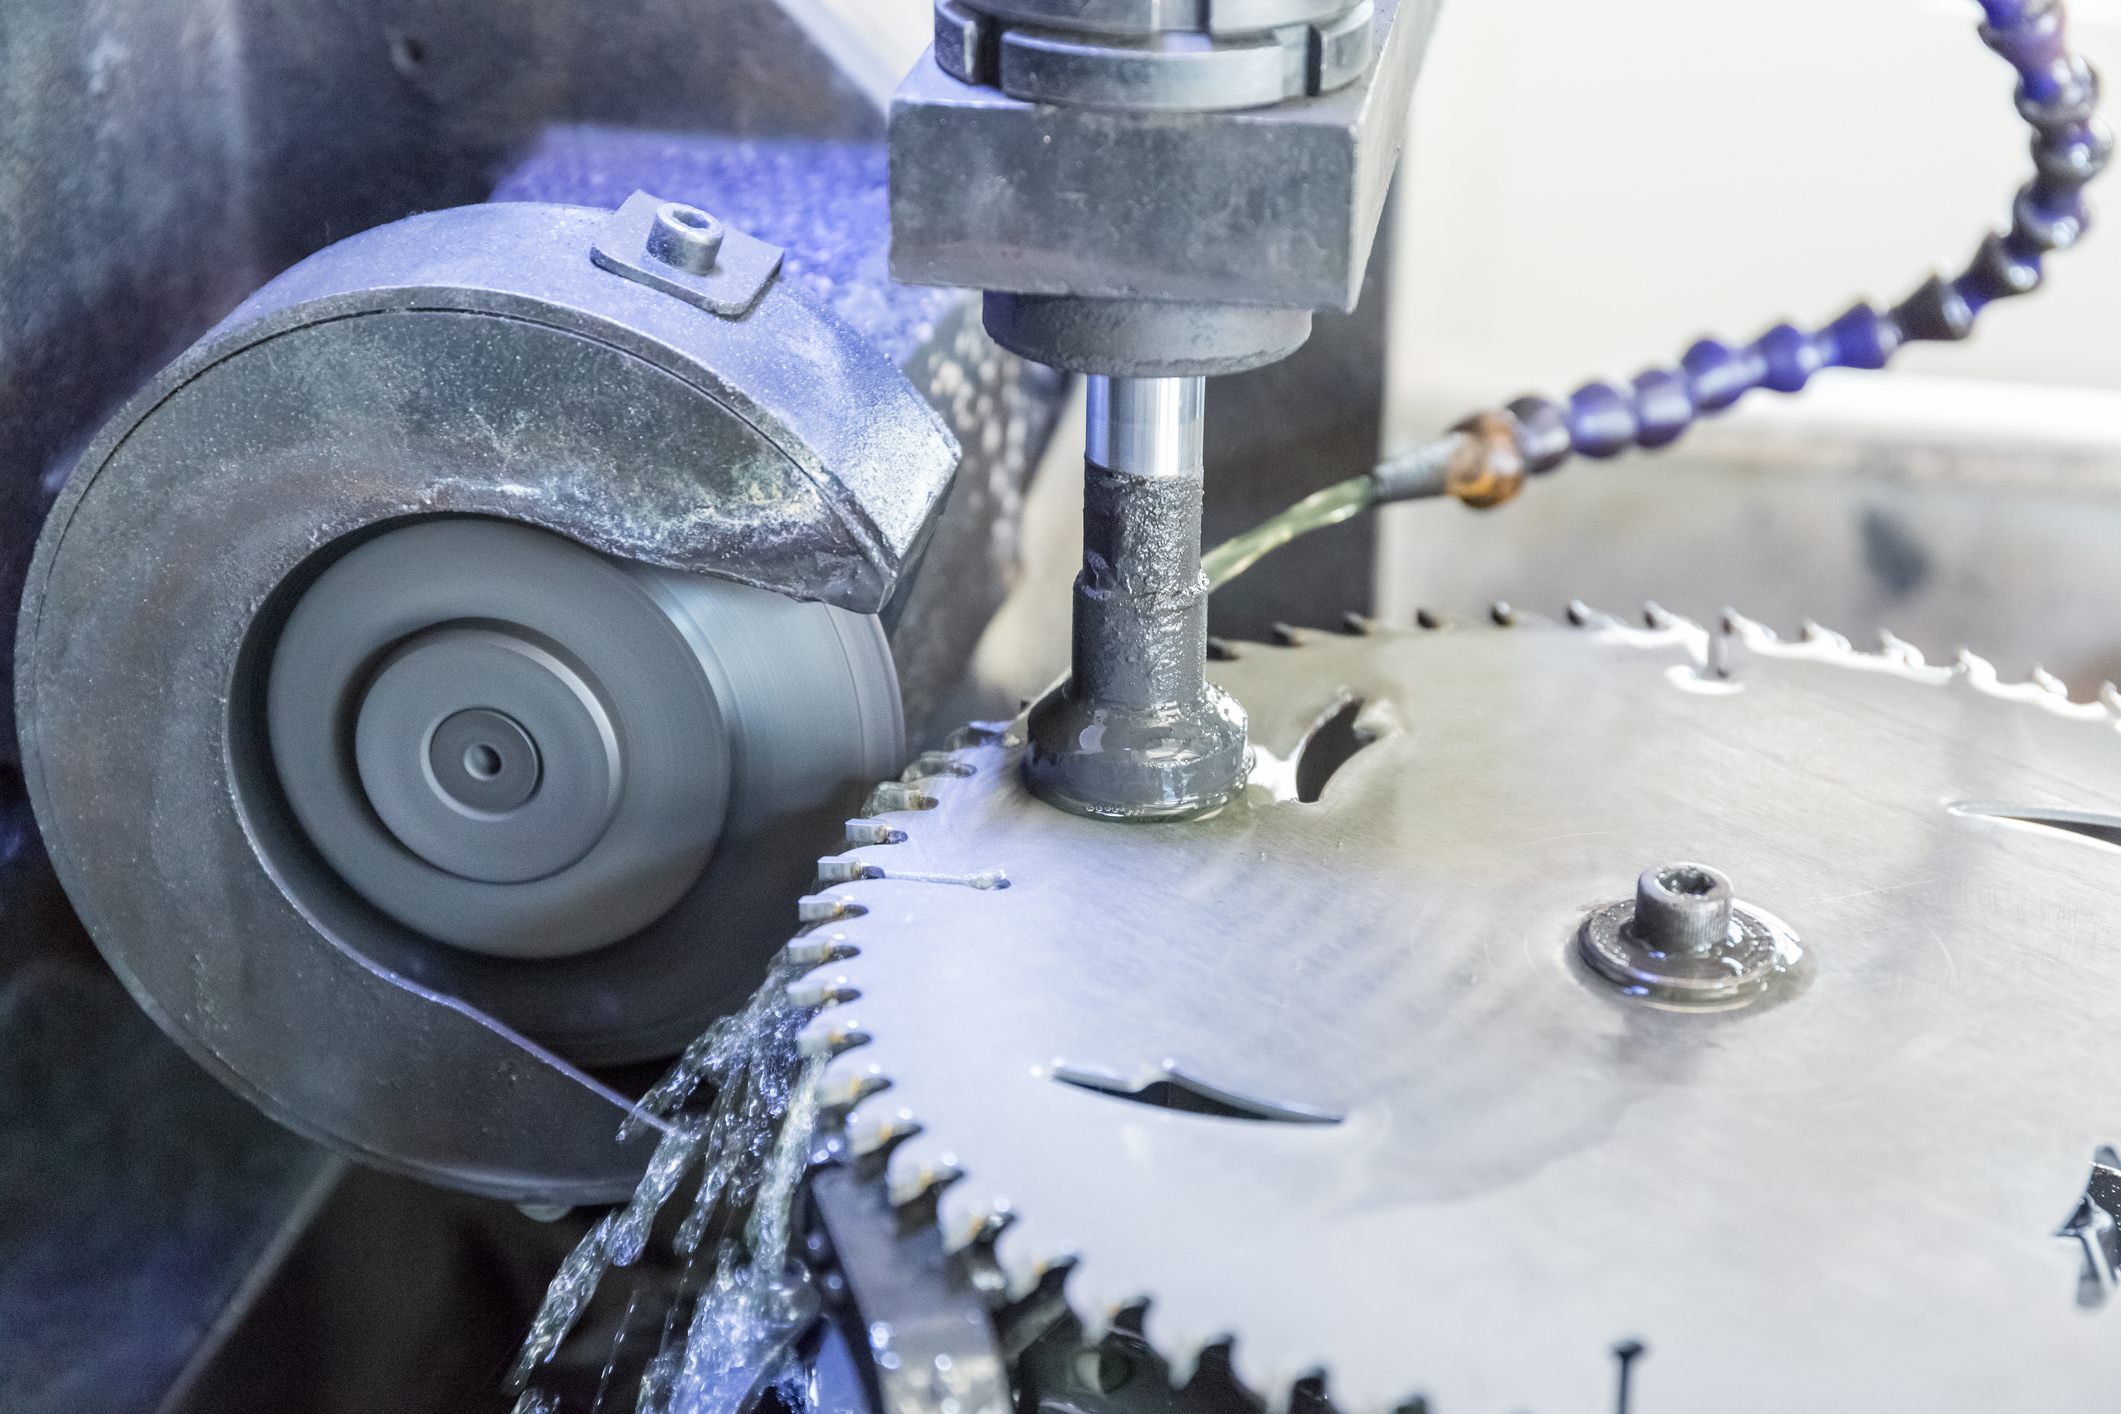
(1592, 185)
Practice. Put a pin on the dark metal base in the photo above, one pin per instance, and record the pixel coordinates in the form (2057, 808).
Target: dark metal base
(1124, 338)
(1111, 764)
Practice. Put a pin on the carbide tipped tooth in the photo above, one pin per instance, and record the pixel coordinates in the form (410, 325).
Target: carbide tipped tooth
(1900, 650)
(936, 763)
(885, 1135)
(866, 832)
(1816, 632)
(833, 1038)
(892, 796)
(973, 1238)
(826, 908)
(840, 1098)
(816, 952)
(979, 734)
(834, 869)
(819, 994)
(923, 1182)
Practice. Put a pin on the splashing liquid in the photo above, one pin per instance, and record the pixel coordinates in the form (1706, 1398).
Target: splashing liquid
(751, 1147)
(1341, 501)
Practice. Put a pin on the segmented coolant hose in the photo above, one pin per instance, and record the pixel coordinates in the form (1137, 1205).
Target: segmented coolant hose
(1486, 458)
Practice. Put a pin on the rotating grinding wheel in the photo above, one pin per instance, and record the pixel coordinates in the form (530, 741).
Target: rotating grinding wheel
(435, 682)
(542, 738)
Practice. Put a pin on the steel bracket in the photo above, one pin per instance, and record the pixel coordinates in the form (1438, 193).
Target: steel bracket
(746, 267)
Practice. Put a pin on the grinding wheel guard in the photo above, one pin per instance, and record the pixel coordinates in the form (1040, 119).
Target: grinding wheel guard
(470, 362)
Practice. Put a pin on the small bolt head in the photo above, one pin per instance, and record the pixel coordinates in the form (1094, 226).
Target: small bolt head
(685, 237)
(1683, 940)
(1683, 909)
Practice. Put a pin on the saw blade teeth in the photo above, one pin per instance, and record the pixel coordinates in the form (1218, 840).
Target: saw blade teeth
(826, 908)
(975, 1225)
(1010, 1255)
(896, 797)
(1663, 629)
(1290, 636)
(814, 952)
(1273, 1387)
(1027, 1257)
(974, 734)
(1818, 643)
(1182, 1354)
(1818, 633)
(930, 764)
(831, 1035)
(1750, 631)
(835, 992)
(2042, 690)
(838, 869)
(871, 832)
(1027, 1249)
(842, 1094)
(972, 1215)
(1894, 646)
(922, 1181)
(870, 1137)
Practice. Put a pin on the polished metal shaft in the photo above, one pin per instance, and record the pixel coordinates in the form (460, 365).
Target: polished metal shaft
(1146, 426)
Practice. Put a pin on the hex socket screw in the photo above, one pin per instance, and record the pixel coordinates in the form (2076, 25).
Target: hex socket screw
(1684, 940)
(686, 238)
(1683, 909)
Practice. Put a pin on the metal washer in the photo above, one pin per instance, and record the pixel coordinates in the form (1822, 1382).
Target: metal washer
(1762, 948)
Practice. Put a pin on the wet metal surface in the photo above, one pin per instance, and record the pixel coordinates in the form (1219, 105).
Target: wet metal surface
(1532, 1170)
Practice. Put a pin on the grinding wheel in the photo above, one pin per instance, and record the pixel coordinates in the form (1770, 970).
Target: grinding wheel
(546, 745)
(441, 679)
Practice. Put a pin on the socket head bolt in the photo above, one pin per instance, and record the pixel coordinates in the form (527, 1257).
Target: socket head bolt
(685, 237)
(1682, 910)
(1686, 941)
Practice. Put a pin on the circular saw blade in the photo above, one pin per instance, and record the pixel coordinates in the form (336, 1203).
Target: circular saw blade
(1467, 1169)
